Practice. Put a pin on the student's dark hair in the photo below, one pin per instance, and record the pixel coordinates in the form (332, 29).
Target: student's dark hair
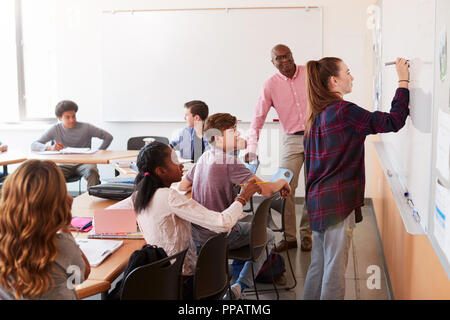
(65, 105)
(317, 90)
(199, 108)
(150, 157)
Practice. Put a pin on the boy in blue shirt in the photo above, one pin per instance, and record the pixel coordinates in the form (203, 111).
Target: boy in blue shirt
(190, 140)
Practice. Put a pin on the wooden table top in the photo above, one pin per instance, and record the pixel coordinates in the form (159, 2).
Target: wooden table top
(99, 157)
(11, 157)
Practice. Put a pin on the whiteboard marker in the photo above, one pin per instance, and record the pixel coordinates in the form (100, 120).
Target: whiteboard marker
(391, 63)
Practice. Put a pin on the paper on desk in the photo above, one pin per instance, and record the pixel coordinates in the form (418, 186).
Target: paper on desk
(97, 250)
(71, 151)
(443, 145)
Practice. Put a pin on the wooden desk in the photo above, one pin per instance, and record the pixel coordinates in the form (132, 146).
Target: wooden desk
(12, 157)
(100, 157)
(112, 266)
(127, 171)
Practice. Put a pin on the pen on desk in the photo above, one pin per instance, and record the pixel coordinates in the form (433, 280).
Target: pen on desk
(262, 182)
(86, 226)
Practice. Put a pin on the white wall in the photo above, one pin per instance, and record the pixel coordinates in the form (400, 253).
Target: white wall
(345, 35)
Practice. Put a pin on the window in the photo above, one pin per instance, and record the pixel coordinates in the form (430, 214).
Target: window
(39, 33)
(9, 91)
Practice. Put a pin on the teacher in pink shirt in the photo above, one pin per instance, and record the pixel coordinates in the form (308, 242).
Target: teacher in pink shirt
(286, 92)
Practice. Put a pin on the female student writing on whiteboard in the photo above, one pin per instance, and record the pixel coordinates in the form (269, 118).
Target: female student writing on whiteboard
(334, 160)
(38, 255)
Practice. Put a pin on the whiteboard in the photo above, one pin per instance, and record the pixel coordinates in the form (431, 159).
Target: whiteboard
(407, 28)
(417, 158)
(155, 61)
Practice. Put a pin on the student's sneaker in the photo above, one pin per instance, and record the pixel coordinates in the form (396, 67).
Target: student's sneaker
(235, 292)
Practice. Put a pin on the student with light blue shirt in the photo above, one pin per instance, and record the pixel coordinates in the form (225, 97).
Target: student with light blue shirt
(190, 140)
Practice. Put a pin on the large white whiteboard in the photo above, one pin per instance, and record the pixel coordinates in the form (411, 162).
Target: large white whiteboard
(408, 31)
(414, 29)
(155, 61)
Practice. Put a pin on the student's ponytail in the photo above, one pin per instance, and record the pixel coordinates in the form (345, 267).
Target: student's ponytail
(147, 182)
(317, 91)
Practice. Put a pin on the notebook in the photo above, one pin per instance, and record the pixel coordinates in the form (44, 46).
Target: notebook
(97, 250)
(71, 150)
(115, 221)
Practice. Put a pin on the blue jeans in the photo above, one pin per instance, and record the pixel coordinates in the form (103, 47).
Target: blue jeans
(241, 238)
(325, 279)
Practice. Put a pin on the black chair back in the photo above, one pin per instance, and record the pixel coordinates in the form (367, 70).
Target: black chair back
(159, 280)
(136, 143)
(258, 235)
(211, 271)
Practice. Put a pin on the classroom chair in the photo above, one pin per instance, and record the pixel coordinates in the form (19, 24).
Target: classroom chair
(136, 143)
(75, 179)
(257, 243)
(155, 281)
(211, 278)
(277, 206)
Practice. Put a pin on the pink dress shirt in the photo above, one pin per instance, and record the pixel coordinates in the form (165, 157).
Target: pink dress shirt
(288, 97)
(166, 222)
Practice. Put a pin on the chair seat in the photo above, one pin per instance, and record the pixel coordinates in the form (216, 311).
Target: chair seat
(73, 178)
(243, 253)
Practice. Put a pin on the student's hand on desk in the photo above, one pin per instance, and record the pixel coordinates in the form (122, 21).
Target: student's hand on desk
(56, 147)
(3, 148)
(249, 189)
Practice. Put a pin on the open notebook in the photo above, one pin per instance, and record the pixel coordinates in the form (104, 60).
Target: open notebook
(70, 150)
(97, 250)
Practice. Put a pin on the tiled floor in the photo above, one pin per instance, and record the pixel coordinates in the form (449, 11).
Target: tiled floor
(365, 252)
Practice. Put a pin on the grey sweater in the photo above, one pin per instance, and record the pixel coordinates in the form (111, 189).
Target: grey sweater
(78, 137)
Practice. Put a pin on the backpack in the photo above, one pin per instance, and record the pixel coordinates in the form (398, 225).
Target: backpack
(264, 275)
(146, 255)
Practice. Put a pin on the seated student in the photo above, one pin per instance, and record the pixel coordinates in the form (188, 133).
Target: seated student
(36, 246)
(190, 140)
(69, 132)
(164, 216)
(214, 181)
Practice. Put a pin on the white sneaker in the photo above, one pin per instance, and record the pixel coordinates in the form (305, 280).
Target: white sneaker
(235, 292)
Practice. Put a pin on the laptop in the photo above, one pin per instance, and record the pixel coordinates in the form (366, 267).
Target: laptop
(112, 221)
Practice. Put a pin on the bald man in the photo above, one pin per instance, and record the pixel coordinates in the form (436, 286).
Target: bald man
(286, 92)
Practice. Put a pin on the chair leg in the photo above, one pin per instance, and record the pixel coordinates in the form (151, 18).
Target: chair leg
(273, 280)
(254, 282)
(290, 267)
(79, 187)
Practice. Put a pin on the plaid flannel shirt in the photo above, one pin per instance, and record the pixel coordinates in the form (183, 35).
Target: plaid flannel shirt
(334, 156)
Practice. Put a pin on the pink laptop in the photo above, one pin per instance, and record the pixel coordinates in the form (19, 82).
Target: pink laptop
(115, 221)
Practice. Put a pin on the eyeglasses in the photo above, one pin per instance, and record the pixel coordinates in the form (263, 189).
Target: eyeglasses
(282, 57)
